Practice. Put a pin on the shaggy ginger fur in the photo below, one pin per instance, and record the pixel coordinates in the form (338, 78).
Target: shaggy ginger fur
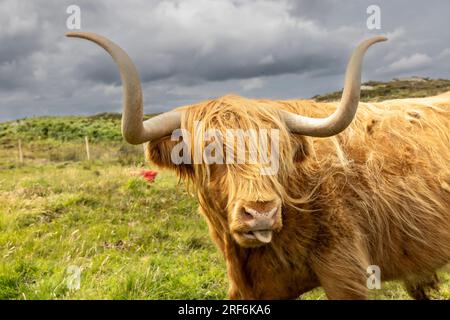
(376, 194)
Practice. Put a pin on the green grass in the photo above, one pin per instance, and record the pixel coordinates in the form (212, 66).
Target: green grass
(131, 239)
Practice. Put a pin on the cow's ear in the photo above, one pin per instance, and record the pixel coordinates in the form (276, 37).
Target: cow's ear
(300, 146)
(159, 152)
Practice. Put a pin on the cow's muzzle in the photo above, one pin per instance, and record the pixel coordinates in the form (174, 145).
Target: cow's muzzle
(256, 222)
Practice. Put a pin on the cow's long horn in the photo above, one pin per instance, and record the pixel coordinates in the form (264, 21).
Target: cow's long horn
(343, 116)
(134, 130)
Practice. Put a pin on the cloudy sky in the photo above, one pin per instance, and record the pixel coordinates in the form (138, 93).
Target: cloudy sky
(191, 50)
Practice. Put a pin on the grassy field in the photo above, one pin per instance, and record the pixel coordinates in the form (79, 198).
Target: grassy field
(130, 239)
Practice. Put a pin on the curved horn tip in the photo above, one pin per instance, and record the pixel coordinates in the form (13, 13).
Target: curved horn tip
(377, 39)
(83, 35)
(345, 113)
(73, 34)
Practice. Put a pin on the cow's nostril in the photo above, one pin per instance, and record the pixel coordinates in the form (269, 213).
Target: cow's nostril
(259, 214)
(247, 215)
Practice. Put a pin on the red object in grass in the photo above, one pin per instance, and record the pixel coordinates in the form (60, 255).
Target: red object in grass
(149, 175)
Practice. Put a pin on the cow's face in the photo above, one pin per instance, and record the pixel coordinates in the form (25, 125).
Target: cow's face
(247, 198)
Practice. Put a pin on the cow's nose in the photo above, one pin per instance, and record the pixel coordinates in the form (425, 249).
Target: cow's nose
(260, 219)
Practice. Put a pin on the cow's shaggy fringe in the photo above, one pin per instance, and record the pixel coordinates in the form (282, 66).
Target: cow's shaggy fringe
(244, 180)
(386, 176)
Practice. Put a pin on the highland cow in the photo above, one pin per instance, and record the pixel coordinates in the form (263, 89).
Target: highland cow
(353, 189)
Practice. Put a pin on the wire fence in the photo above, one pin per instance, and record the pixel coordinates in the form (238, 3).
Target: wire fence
(30, 152)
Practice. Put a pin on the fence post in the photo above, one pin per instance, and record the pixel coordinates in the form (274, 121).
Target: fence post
(144, 147)
(88, 153)
(20, 152)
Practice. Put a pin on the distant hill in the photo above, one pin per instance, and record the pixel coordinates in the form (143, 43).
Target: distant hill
(106, 126)
(99, 127)
(62, 128)
(412, 87)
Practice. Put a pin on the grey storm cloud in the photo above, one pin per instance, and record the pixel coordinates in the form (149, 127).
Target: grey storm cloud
(192, 50)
